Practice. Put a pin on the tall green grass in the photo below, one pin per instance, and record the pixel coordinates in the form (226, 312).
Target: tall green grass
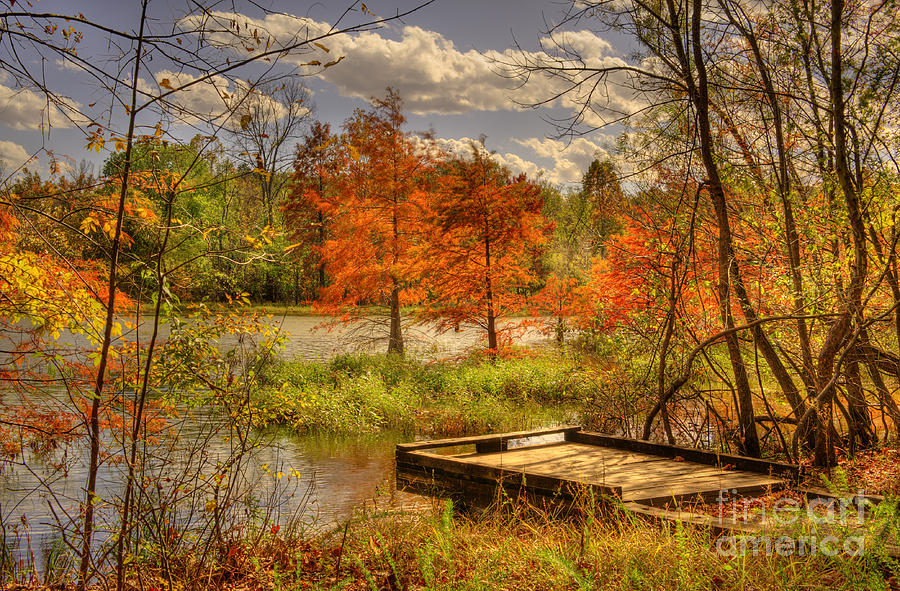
(363, 393)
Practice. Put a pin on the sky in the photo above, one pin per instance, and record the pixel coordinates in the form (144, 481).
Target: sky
(442, 59)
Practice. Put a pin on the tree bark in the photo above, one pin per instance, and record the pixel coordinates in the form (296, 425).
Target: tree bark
(725, 251)
(825, 454)
(395, 340)
(112, 286)
(489, 293)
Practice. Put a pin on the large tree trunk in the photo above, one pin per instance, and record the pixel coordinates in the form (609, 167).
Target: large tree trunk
(861, 427)
(725, 252)
(395, 341)
(824, 421)
(825, 454)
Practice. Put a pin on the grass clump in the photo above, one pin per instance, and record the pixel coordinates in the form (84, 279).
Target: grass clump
(364, 393)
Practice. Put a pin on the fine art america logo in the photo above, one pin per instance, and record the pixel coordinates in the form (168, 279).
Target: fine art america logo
(822, 526)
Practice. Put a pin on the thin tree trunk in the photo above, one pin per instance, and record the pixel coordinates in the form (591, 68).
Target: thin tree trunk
(790, 226)
(489, 294)
(321, 245)
(825, 455)
(668, 330)
(141, 401)
(395, 339)
(112, 286)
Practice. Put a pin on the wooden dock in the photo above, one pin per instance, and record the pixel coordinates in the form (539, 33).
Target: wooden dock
(656, 482)
(564, 462)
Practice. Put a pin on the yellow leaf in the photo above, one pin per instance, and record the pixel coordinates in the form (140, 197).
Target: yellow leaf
(96, 143)
(329, 64)
(88, 225)
(322, 47)
(245, 121)
(166, 83)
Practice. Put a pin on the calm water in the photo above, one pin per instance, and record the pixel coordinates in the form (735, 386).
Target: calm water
(311, 340)
(326, 477)
(325, 480)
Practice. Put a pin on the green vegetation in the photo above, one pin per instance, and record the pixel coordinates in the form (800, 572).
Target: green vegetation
(362, 393)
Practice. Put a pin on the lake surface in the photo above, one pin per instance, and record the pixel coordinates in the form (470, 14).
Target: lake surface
(317, 338)
(327, 477)
(311, 341)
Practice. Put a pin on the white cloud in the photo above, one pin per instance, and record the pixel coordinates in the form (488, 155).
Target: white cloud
(70, 65)
(12, 156)
(217, 100)
(202, 101)
(457, 147)
(570, 159)
(514, 163)
(427, 69)
(21, 108)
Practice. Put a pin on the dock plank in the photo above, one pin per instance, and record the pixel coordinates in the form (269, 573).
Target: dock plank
(501, 438)
(638, 475)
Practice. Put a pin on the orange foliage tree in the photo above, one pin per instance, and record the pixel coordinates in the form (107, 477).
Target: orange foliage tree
(484, 227)
(375, 208)
(315, 164)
